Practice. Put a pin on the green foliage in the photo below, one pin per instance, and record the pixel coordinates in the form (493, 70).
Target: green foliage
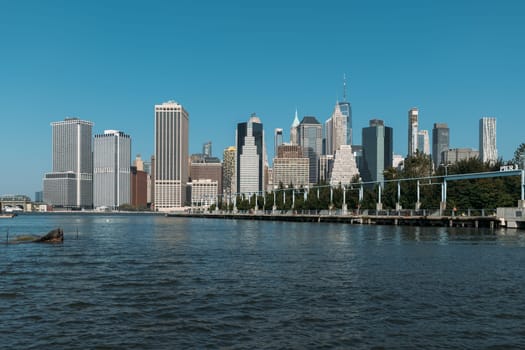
(519, 156)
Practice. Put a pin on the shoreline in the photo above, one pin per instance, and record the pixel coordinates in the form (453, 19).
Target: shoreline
(437, 221)
(491, 222)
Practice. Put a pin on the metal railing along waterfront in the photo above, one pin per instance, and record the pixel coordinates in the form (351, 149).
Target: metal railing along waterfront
(454, 212)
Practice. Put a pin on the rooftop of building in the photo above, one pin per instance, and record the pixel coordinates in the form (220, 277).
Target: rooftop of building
(309, 120)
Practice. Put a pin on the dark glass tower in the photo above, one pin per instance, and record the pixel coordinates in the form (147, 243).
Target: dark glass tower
(440, 143)
(310, 134)
(378, 141)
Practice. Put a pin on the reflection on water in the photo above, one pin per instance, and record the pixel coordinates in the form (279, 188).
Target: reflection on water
(146, 281)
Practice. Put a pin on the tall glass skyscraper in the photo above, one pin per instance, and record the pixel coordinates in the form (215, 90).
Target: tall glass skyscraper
(70, 184)
(310, 135)
(487, 140)
(440, 142)
(111, 169)
(346, 110)
(423, 142)
(378, 141)
(171, 156)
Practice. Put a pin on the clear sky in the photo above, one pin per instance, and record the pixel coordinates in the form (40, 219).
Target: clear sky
(110, 62)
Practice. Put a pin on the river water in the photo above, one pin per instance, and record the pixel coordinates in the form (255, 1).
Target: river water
(151, 282)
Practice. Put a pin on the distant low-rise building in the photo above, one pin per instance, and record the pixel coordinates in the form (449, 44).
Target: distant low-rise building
(457, 154)
(203, 192)
(203, 171)
(290, 166)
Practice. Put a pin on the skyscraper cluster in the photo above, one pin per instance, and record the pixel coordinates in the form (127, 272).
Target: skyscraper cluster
(97, 172)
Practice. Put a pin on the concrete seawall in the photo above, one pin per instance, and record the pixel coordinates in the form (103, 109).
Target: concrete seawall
(443, 221)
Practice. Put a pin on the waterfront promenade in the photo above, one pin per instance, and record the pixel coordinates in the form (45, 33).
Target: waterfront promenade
(450, 218)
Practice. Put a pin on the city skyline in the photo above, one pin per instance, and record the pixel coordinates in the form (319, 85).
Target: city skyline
(100, 63)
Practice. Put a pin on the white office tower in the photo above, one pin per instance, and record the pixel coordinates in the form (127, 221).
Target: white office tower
(171, 156)
(294, 140)
(345, 167)
(487, 140)
(249, 162)
(336, 130)
(70, 184)
(111, 169)
(412, 131)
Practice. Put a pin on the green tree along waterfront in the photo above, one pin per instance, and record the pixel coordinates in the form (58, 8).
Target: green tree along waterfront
(398, 191)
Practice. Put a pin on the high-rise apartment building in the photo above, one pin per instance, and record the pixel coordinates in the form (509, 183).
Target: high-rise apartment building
(294, 140)
(487, 140)
(139, 188)
(423, 142)
(70, 184)
(440, 143)
(228, 171)
(140, 183)
(250, 156)
(171, 156)
(111, 169)
(377, 150)
(412, 131)
(277, 139)
(310, 136)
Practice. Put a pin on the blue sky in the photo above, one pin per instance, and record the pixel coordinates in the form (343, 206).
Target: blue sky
(111, 61)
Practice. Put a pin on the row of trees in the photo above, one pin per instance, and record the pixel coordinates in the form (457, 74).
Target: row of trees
(487, 193)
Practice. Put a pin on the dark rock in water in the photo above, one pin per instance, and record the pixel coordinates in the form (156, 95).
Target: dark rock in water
(53, 236)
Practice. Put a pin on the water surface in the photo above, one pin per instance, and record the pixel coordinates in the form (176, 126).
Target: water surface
(151, 282)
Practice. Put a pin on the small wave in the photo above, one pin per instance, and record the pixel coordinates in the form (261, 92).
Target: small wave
(79, 305)
(508, 316)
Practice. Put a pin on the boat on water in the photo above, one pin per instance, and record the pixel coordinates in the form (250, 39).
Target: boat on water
(5, 213)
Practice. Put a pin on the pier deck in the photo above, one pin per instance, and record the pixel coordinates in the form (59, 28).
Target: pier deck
(443, 221)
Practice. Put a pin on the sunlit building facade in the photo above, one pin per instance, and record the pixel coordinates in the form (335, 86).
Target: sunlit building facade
(171, 156)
